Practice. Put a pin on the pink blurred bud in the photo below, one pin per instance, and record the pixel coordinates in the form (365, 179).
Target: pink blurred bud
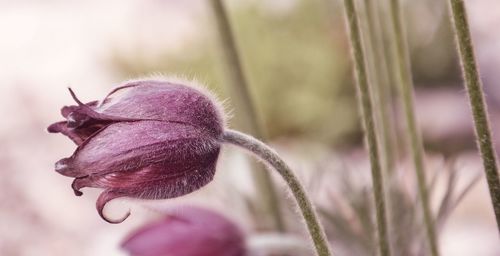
(189, 232)
(157, 140)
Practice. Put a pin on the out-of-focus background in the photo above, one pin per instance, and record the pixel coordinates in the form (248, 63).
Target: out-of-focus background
(296, 56)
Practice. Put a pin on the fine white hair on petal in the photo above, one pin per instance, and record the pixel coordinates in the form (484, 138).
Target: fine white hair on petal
(222, 106)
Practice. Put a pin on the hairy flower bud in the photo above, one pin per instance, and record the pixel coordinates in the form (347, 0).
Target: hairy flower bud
(190, 231)
(156, 140)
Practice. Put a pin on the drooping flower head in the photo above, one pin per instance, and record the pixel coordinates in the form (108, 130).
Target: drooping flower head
(155, 140)
(190, 231)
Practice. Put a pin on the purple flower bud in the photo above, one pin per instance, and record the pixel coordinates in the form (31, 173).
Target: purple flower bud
(189, 232)
(156, 140)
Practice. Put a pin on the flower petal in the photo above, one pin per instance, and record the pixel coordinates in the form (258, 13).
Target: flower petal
(101, 202)
(190, 231)
(77, 135)
(62, 127)
(161, 181)
(129, 146)
(153, 182)
(87, 112)
(159, 100)
(66, 110)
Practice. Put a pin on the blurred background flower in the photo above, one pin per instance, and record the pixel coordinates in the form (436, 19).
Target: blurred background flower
(188, 231)
(295, 53)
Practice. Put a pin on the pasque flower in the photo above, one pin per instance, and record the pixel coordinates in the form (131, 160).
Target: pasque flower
(190, 231)
(146, 139)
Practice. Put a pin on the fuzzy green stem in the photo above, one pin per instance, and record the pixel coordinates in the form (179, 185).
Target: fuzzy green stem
(387, 45)
(380, 83)
(476, 97)
(246, 110)
(406, 89)
(367, 116)
(267, 154)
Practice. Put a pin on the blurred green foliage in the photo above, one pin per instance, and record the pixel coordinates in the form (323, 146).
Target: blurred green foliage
(433, 55)
(297, 64)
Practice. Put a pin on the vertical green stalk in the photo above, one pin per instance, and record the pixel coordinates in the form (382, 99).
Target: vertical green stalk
(406, 89)
(380, 83)
(367, 115)
(387, 46)
(244, 105)
(476, 97)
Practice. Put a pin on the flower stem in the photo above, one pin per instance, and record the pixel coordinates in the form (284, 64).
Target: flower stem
(406, 88)
(476, 97)
(267, 154)
(367, 115)
(388, 44)
(380, 80)
(246, 110)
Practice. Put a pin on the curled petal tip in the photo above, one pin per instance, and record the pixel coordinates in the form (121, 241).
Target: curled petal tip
(61, 166)
(73, 95)
(66, 110)
(64, 167)
(103, 199)
(110, 221)
(56, 127)
(76, 188)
